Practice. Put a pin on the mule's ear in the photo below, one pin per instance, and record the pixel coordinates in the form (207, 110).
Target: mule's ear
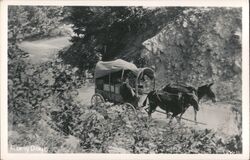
(210, 84)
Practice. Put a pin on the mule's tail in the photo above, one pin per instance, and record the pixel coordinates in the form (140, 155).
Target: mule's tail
(145, 102)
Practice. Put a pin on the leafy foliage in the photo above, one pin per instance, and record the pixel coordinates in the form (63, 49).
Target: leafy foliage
(28, 87)
(33, 22)
(26, 90)
(109, 130)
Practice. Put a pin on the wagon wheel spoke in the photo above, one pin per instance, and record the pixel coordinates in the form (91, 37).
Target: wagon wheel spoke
(96, 100)
(141, 113)
(129, 110)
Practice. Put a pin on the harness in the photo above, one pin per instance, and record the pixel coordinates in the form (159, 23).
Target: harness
(155, 93)
(180, 98)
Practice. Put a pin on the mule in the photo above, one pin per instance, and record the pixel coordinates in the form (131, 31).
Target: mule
(202, 91)
(175, 103)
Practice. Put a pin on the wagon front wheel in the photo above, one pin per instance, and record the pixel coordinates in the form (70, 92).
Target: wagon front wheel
(129, 109)
(97, 99)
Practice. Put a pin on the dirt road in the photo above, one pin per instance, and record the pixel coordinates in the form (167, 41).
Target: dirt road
(85, 94)
(44, 49)
(217, 116)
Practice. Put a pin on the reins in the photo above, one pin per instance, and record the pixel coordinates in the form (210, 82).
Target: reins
(155, 93)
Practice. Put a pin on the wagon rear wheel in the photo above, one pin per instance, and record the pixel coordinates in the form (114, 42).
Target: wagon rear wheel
(97, 99)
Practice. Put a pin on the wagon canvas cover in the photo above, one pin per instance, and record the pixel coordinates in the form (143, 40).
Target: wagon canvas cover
(104, 68)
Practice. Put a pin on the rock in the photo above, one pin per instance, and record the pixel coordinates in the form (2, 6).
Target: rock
(237, 67)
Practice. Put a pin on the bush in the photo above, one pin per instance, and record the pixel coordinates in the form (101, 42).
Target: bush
(66, 126)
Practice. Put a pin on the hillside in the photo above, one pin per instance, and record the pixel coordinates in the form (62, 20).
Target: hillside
(195, 46)
(199, 46)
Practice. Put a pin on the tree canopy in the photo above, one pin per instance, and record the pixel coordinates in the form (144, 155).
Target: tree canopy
(106, 31)
(32, 21)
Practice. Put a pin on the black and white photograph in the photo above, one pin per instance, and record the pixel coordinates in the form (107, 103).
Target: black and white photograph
(126, 79)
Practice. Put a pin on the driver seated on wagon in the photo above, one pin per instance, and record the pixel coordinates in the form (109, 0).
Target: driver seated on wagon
(128, 94)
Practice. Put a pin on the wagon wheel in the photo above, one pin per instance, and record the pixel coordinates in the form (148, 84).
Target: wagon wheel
(134, 117)
(129, 107)
(129, 110)
(97, 99)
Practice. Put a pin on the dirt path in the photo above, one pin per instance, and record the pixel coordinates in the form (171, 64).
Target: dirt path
(85, 94)
(44, 49)
(218, 116)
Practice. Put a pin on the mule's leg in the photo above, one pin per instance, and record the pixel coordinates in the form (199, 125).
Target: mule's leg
(170, 121)
(149, 113)
(195, 116)
(179, 119)
(167, 115)
(152, 108)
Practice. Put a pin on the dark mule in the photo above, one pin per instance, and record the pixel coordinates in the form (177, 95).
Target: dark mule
(176, 88)
(202, 91)
(175, 103)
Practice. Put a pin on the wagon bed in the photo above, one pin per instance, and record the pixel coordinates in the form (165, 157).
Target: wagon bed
(109, 77)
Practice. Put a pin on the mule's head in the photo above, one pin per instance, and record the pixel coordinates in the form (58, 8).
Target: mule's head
(206, 91)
